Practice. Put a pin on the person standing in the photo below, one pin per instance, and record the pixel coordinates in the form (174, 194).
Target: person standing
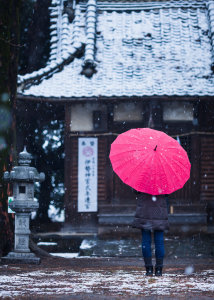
(152, 217)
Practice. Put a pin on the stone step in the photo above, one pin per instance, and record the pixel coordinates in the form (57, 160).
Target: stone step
(175, 218)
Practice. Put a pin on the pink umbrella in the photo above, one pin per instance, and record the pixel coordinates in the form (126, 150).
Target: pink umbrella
(150, 161)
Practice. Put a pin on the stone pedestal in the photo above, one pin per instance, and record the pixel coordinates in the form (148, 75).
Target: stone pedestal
(21, 253)
(22, 232)
(20, 257)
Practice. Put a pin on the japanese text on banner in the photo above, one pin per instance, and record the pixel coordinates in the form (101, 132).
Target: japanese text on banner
(87, 175)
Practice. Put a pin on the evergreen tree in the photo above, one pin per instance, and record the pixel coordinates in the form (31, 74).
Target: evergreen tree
(41, 129)
(9, 49)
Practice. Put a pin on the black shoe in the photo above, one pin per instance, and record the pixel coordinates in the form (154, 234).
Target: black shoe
(158, 271)
(149, 271)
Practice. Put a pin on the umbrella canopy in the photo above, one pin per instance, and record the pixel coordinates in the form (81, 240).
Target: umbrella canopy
(150, 161)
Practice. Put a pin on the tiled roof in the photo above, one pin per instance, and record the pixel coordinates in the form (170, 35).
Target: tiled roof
(140, 49)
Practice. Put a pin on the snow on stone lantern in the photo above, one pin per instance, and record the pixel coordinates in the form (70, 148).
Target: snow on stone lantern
(23, 178)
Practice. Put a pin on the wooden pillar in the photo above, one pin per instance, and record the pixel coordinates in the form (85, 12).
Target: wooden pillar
(67, 165)
(109, 174)
(74, 221)
(157, 114)
(195, 168)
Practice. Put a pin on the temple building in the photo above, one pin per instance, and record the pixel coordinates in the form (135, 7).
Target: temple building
(117, 65)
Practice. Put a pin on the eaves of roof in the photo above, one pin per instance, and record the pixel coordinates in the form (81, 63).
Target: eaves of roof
(111, 99)
(37, 76)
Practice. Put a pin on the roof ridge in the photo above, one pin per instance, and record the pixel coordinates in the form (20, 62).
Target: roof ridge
(91, 18)
(54, 15)
(210, 8)
(54, 63)
(37, 76)
(76, 30)
(146, 5)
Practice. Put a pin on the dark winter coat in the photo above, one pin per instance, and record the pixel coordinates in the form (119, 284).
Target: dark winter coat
(151, 212)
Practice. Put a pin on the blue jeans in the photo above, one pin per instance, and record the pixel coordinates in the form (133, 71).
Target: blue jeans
(159, 243)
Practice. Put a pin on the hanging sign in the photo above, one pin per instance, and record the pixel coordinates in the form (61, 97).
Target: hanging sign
(87, 175)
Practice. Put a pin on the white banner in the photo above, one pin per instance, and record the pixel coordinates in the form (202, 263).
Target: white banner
(87, 175)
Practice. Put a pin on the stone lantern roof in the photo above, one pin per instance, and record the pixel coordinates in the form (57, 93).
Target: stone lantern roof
(25, 157)
(117, 49)
(24, 172)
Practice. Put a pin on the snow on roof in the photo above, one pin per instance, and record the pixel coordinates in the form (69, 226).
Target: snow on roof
(140, 49)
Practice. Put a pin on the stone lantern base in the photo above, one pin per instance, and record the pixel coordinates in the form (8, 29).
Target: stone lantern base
(20, 257)
(21, 252)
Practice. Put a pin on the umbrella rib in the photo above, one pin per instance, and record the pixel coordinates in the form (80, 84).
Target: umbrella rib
(155, 183)
(171, 167)
(121, 152)
(128, 159)
(179, 162)
(129, 144)
(163, 168)
(135, 168)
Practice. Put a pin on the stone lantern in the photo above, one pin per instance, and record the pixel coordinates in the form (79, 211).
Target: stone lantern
(23, 178)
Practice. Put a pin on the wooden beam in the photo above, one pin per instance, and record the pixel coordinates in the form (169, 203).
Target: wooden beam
(195, 168)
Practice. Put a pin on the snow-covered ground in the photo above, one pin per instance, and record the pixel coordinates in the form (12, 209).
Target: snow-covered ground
(114, 282)
(66, 255)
